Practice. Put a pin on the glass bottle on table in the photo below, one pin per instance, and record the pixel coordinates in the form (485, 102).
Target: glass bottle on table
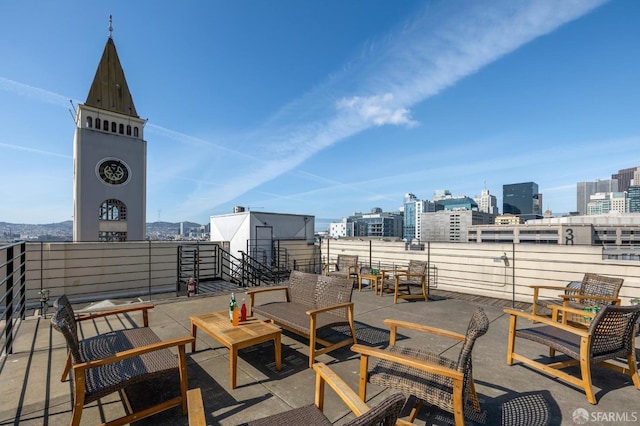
(243, 312)
(232, 306)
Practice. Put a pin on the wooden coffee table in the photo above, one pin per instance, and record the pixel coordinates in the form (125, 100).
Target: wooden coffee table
(247, 333)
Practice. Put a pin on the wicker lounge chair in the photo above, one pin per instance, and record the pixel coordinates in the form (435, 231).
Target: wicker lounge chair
(593, 290)
(414, 276)
(428, 376)
(111, 362)
(384, 414)
(346, 266)
(610, 335)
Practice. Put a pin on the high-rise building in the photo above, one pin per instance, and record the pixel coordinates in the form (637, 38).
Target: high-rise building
(413, 209)
(487, 203)
(586, 189)
(377, 224)
(633, 195)
(522, 200)
(410, 217)
(607, 202)
(624, 177)
(110, 159)
(452, 225)
(636, 178)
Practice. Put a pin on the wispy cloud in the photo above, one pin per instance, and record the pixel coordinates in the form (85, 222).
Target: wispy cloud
(425, 56)
(33, 150)
(377, 110)
(32, 92)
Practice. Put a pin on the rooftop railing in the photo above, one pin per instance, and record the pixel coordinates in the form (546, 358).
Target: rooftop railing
(33, 274)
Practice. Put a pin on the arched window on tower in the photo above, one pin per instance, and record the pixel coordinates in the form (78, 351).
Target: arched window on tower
(128, 129)
(113, 210)
(113, 126)
(121, 129)
(105, 125)
(98, 123)
(89, 122)
(135, 131)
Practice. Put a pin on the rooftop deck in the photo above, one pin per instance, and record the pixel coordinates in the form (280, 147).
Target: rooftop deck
(32, 393)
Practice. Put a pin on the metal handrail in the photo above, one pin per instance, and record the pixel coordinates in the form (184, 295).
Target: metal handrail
(14, 267)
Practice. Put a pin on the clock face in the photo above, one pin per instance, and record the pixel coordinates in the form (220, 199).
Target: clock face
(113, 171)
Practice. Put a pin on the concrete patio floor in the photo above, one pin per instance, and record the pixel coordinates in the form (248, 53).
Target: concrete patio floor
(32, 393)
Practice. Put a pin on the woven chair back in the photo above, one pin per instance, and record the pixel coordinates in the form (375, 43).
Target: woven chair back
(346, 260)
(386, 413)
(64, 320)
(302, 288)
(612, 331)
(333, 290)
(478, 326)
(417, 267)
(320, 291)
(600, 285)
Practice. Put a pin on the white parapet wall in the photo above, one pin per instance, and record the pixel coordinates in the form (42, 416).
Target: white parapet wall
(496, 270)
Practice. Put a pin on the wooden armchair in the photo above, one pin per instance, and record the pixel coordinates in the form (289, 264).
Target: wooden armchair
(111, 362)
(385, 413)
(610, 335)
(414, 276)
(345, 266)
(428, 376)
(593, 290)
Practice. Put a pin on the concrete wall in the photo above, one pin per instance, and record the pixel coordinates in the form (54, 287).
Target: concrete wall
(478, 268)
(80, 270)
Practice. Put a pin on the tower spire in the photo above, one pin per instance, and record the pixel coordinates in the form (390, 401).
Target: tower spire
(110, 27)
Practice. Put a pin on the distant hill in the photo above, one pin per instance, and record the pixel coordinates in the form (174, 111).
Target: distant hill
(63, 231)
(168, 227)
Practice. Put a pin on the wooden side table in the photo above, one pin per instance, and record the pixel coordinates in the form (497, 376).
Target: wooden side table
(374, 281)
(243, 335)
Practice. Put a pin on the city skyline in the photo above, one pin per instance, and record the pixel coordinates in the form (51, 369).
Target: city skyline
(325, 108)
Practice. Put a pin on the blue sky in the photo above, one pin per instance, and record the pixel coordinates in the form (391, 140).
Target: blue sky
(325, 107)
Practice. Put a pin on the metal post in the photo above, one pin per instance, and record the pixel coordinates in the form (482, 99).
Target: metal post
(428, 268)
(9, 302)
(513, 275)
(23, 279)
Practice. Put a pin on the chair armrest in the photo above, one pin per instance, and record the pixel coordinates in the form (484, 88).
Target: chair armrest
(395, 324)
(353, 269)
(195, 408)
(325, 375)
(536, 293)
(409, 361)
(252, 293)
(566, 297)
(423, 276)
(83, 316)
(329, 308)
(326, 266)
(119, 356)
(548, 321)
(548, 287)
(556, 309)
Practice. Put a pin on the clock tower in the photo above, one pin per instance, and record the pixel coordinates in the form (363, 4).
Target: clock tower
(109, 158)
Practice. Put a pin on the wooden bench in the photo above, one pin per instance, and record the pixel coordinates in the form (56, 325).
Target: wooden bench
(311, 303)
